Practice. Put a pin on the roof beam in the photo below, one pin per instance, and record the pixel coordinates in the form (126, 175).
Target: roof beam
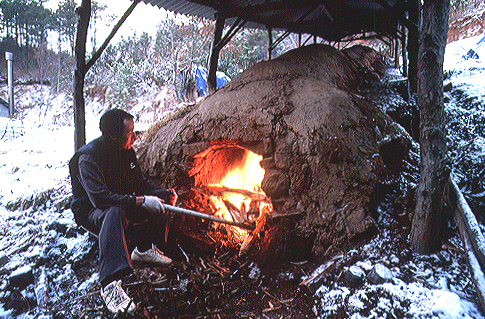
(399, 14)
(269, 7)
(332, 20)
(236, 26)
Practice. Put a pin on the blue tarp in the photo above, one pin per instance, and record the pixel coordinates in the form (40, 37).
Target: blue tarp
(199, 75)
(472, 53)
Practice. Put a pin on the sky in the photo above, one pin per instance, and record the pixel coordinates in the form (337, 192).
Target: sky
(144, 18)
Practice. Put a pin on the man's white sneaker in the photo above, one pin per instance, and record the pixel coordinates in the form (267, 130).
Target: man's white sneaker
(116, 298)
(152, 256)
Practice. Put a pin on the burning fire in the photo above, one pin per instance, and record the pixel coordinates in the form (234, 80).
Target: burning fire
(234, 179)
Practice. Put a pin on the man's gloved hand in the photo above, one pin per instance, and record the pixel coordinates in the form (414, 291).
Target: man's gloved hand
(153, 204)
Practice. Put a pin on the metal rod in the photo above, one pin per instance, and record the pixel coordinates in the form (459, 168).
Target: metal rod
(205, 216)
(9, 58)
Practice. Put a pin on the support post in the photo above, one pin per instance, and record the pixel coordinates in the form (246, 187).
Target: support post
(429, 219)
(404, 53)
(9, 58)
(270, 43)
(82, 67)
(413, 44)
(396, 53)
(214, 56)
(84, 14)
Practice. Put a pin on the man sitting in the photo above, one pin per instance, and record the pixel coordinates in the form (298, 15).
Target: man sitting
(109, 190)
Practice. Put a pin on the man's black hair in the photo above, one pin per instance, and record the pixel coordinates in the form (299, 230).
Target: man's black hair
(112, 122)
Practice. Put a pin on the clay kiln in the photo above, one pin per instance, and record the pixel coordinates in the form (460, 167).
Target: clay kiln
(315, 138)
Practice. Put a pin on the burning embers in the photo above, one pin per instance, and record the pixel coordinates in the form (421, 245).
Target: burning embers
(228, 180)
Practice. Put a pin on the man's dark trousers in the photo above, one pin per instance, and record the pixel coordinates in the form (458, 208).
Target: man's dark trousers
(110, 225)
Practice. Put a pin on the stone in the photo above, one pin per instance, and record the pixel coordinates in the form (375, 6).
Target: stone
(267, 163)
(379, 274)
(22, 277)
(275, 183)
(354, 276)
(194, 148)
(3, 259)
(254, 273)
(282, 155)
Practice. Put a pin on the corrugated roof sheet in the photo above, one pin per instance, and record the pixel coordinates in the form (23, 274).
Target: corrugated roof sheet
(328, 19)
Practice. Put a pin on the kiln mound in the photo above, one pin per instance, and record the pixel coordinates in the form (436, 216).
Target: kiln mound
(324, 147)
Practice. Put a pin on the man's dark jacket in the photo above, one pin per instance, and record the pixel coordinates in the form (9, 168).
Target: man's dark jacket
(110, 177)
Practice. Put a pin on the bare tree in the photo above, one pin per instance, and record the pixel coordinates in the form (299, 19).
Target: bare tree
(429, 220)
(82, 67)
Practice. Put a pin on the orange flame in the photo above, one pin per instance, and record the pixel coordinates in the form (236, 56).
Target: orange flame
(247, 176)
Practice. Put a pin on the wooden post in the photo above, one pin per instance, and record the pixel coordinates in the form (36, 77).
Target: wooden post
(429, 222)
(214, 56)
(404, 53)
(413, 44)
(270, 43)
(84, 13)
(396, 53)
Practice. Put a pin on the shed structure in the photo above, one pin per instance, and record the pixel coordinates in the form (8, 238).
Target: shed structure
(332, 20)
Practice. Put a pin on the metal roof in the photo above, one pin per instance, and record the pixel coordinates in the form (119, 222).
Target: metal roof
(328, 19)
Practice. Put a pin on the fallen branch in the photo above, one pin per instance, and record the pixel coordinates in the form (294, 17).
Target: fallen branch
(251, 238)
(473, 240)
(185, 255)
(285, 302)
(271, 308)
(318, 273)
(96, 292)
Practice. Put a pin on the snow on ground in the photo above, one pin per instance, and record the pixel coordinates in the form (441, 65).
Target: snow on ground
(443, 288)
(35, 190)
(467, 69)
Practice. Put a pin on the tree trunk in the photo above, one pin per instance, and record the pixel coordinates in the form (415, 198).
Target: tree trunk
(429, 220)
(84, 13)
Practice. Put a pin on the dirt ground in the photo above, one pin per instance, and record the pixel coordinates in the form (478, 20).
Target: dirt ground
(219, 284)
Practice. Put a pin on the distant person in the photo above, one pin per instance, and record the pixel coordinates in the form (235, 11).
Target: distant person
(109, 190)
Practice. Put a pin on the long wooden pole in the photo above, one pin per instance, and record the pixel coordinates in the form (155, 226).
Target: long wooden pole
(97, 54)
